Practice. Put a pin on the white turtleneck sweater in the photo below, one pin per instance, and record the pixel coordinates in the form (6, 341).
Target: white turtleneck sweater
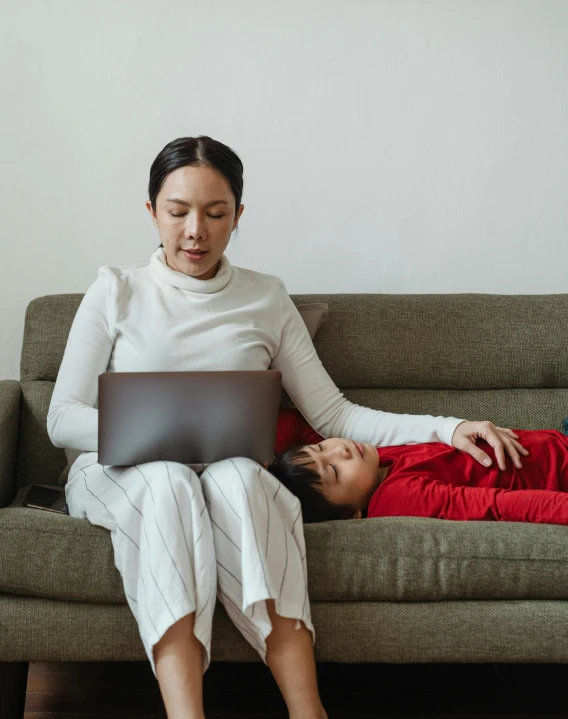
(148, 317)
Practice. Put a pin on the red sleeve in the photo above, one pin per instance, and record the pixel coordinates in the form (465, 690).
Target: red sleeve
(293, 429)
(425, 497)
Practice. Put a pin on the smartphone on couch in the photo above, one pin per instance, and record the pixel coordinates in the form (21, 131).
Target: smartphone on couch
(41, 496)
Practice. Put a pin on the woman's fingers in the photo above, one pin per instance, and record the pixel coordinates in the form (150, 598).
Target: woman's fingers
(498, 437)
(520, 448)
(502, 443)
(509, 432)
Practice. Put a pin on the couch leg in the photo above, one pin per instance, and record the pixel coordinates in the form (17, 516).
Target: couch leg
(13, 683)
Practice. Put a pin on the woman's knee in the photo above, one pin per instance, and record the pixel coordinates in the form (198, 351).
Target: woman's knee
(238, 487)
(233, 473)
(172, 482)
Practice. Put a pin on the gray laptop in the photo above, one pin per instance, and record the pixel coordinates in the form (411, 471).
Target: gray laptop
(187, 417)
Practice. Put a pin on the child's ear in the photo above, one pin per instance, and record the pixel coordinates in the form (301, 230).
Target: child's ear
(358, 515)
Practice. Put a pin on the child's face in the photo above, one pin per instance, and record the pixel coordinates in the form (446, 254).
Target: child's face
(349, 470)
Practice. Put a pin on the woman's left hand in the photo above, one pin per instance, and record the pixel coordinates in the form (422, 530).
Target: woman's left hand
(500, 438)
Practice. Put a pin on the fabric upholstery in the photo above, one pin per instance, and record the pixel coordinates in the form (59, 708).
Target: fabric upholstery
(38, 460)
(10, 408)
(514, 408)
(451, 342)
(382, 559)
(43, 630)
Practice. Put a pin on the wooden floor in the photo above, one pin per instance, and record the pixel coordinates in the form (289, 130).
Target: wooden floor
(85, 690)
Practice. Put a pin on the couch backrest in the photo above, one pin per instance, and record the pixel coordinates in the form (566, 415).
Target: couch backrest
(473, 356)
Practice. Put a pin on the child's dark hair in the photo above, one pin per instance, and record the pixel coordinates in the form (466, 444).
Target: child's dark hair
(294, 468)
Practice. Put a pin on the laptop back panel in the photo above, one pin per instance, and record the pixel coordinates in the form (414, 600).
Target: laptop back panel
(187, 417)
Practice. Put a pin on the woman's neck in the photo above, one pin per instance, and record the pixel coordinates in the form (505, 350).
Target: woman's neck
(161, 270)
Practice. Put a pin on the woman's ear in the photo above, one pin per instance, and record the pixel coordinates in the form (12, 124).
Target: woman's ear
(152, 213)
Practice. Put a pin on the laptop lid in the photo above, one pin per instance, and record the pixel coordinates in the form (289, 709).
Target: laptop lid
(187, 417)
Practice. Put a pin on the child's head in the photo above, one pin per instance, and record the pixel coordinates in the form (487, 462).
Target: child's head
(334, 479)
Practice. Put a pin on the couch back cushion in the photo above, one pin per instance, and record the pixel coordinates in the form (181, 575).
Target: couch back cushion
(497, 357)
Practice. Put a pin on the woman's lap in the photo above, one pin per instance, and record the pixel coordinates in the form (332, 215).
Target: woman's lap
(251, 545)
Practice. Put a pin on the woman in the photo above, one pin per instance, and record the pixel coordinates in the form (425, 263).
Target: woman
(180, 539)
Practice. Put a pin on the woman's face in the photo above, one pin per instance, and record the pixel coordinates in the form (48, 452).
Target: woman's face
(195, 210)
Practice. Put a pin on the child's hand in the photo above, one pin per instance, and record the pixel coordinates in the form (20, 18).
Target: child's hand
(500, 438)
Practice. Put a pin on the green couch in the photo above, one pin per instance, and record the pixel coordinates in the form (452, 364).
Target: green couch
(396, 589)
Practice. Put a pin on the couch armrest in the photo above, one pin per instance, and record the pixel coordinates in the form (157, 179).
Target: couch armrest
(10, 409)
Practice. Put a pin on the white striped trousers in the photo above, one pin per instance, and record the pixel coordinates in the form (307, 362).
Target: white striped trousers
(180, 540)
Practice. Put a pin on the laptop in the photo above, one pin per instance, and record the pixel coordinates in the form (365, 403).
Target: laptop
(187, 417)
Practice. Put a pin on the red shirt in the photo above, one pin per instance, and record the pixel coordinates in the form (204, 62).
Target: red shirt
(435, 480)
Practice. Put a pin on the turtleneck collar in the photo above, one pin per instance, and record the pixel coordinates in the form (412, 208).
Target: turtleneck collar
(162, 271)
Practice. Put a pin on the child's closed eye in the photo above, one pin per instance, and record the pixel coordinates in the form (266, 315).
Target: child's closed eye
(331, 465)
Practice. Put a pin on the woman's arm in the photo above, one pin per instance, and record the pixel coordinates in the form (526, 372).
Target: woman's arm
(325, 407)
(72, 420)
(426, 497)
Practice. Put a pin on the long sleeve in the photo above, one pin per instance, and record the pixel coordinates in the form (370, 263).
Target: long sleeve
(72, 419)
(327, 410)
(425, 497)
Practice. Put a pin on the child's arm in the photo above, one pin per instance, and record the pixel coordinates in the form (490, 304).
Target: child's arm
(426, 497)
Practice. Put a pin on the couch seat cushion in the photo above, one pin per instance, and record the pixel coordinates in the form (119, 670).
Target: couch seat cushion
(381, 559)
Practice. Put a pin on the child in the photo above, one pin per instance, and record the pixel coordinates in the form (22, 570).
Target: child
(341, 479)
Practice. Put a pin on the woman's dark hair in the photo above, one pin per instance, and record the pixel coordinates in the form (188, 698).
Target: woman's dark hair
(294, 468)
(202, 150)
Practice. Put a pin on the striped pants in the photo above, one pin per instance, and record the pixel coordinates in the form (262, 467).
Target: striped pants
(181, 539)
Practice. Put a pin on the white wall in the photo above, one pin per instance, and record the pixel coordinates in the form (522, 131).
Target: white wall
(389, 146)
